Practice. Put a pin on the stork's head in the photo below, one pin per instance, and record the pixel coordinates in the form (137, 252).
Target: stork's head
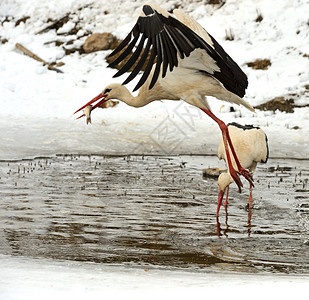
(112, 91)
(224, 180)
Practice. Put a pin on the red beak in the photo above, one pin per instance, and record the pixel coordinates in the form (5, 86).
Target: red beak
(100, 96)
(220, 197)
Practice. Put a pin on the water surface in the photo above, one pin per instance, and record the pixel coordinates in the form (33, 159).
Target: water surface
(154, 211)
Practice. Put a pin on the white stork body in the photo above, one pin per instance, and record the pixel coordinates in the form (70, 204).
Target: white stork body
(190, 64)
(251, 146)
(176, 85)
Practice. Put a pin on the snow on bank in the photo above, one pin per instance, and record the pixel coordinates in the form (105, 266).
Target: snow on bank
(37, 104)
(24, 278)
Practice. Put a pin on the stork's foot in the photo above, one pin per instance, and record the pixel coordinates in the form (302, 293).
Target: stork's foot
(247, 175)
(243, 172)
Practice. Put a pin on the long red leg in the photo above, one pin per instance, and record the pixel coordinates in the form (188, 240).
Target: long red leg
(250, 211)
(227, 196)
(225, 133)
(250, 197)
(220, 197)
(227, 141)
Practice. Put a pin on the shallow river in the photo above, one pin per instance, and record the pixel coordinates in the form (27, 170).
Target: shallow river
(155, 211)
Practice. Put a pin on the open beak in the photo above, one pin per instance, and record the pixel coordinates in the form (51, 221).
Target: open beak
(220, 198)
(100, 98)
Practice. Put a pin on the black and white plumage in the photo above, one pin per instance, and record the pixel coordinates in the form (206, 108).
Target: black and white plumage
(190, 65)
(251, 146)
(170, 39)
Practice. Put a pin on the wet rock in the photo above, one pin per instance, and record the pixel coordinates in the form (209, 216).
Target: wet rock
(99, 41)
(212, 172)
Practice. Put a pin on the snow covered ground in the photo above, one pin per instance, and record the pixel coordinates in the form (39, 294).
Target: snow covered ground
(37, 105)
(33, 279)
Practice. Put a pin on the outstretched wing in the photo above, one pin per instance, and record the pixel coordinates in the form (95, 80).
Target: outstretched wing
(167, 39)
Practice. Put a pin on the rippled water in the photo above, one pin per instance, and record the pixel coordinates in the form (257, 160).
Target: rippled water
(154, 210)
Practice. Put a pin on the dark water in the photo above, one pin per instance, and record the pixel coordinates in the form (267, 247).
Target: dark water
(154, 210)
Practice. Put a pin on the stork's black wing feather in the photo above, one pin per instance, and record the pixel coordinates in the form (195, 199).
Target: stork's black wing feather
(230, 75)
(168, 40)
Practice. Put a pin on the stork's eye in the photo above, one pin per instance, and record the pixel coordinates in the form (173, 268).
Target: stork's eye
(107, 91)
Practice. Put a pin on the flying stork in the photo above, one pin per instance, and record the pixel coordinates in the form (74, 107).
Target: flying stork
(251, 146)
(190, 64)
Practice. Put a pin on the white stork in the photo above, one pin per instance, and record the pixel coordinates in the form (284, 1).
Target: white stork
(190, 64)
(251, 145)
